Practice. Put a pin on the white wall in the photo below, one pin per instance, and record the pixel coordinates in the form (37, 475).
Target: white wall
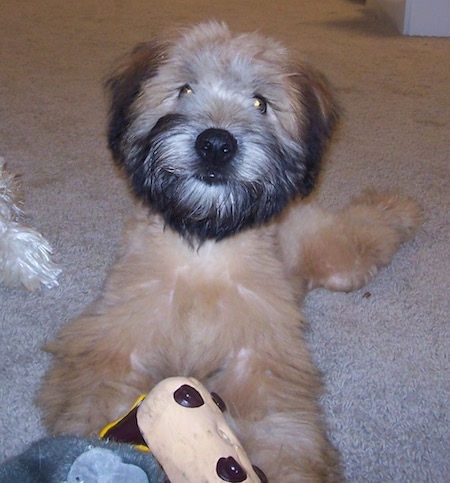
(417, 17)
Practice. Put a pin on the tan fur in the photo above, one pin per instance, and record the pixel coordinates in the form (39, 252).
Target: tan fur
(344, 250)
(225, 312)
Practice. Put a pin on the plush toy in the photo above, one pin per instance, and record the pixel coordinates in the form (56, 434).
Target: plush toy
(179, 421)
(70, 459)
(25, 255)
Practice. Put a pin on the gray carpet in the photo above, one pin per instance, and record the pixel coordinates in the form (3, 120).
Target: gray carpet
(385, 357)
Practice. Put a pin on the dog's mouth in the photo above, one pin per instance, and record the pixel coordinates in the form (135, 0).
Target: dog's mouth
(212, 177)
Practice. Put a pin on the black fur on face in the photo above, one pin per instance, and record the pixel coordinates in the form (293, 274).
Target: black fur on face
(124, 86)
(321, 116)
(200, 209)
(212, 196)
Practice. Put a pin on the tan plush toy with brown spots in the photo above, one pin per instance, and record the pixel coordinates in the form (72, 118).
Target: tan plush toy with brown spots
(185, 428)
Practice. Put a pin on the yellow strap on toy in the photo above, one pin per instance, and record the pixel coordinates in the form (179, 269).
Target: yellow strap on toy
(126, 429)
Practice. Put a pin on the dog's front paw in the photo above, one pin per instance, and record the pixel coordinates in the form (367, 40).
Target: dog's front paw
(402, 214)
(367, 234)
(344, 250)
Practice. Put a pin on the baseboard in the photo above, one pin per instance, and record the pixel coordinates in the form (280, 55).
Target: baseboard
(415, 17)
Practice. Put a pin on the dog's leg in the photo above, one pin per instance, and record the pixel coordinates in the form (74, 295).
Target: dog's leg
(271, 393)
(343, 250)
(93, 379)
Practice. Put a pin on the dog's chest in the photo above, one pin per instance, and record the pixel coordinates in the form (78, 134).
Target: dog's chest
(202, 306)
(205, 291)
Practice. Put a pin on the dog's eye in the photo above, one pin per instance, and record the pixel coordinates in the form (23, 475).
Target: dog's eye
(186, 90)
(260, 103)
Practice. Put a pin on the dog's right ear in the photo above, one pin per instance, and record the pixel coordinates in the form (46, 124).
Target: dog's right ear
(123, 87)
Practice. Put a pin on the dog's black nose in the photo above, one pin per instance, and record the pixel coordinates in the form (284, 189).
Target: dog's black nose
(216, 146)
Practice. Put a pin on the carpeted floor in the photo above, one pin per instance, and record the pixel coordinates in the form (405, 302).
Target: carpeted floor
(385, 357)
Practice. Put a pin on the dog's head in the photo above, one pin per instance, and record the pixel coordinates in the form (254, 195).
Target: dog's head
(218, 132)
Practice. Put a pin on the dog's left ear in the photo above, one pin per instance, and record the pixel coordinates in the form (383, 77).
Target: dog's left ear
(318, 116)
(124, 86)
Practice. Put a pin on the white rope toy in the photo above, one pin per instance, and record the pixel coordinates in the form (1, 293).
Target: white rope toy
(25, 255)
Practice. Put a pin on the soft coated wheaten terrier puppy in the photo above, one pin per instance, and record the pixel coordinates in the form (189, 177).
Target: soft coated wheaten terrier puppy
(221, 137)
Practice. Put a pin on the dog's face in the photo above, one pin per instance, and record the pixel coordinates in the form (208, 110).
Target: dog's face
(218, 132)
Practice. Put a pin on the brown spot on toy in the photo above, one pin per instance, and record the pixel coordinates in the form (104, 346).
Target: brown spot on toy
(261, 475)
(230, 470)
(220, 403)
(188, 397)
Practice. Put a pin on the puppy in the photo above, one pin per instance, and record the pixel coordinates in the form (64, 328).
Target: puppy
(221, 137)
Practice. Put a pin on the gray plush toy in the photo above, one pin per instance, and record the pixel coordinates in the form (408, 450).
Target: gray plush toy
(70, 459)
